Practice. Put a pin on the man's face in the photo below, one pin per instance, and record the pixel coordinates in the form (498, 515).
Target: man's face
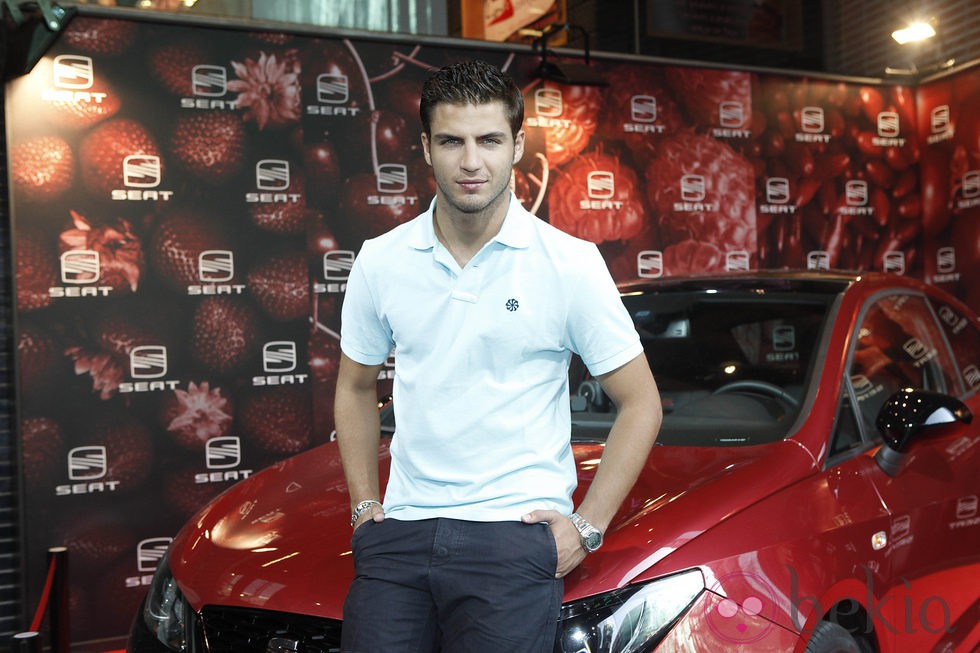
(472, 152)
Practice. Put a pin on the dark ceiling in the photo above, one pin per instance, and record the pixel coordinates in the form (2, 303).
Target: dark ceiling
(838, 37)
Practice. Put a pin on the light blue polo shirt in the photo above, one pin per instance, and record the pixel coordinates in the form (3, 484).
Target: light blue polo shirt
(481, 361)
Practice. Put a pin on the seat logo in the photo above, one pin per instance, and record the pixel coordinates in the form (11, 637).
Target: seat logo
(209, 80)
(888, 124)
(148, 362)
(894, 262)
(643, 108)
(548, 103)
(223, 452)
(73, 72)
(971, 184)
(777, 190)
(150, 552)
(141, 171)
(736, 260)
(332, 89)
(784, 338)
(939, 119)
(650, 264)
(818, 260)
(272, 174)
(80, 266)
(811, 120)
(337, 264)
(87, 463)
(601, 185)
(216, 265)
(692, 188)
(731, 114)
(279, 356)
(282, 645)
(945, 260)
(392, 178)
(856, 192)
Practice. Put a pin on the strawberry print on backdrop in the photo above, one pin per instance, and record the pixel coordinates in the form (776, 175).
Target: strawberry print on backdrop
(143, 226)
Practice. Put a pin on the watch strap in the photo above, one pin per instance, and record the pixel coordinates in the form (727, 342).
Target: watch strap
(362, 508)
(587, 532)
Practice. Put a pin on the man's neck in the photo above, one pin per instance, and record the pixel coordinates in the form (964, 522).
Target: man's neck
(465, 234)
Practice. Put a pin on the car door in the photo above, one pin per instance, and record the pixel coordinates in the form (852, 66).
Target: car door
(932, 542)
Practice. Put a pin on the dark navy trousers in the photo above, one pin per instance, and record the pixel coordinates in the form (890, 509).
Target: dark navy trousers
(451, 586)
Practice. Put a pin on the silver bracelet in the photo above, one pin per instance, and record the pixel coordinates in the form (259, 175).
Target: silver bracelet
(362, 508)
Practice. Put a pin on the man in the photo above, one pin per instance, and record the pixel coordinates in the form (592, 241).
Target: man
(483, 304)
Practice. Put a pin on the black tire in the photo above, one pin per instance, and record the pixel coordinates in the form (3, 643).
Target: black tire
(829, 637)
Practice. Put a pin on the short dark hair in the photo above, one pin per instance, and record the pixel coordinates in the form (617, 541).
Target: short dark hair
(471, 82)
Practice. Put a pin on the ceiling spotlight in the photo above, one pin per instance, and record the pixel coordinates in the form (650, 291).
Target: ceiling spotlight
(914, 32)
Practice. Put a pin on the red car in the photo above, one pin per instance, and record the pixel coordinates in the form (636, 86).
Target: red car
(814, 487)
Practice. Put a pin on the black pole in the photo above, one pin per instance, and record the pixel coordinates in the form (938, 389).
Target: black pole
(27, 642)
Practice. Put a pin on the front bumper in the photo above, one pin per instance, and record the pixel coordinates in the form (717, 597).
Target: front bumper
(712, 623)
(220, 629)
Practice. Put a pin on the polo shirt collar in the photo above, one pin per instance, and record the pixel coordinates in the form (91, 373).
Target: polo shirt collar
(514, 232)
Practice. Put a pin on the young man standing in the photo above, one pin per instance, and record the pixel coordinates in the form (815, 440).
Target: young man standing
(483, 304)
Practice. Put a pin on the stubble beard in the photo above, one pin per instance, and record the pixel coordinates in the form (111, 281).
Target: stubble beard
(475, 208)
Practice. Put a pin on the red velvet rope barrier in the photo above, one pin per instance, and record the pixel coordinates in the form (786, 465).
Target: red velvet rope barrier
(42, 604)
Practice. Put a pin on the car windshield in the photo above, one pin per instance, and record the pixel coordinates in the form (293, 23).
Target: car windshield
(732, 366)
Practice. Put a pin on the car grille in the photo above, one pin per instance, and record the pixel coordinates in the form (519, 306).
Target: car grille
(238, 630)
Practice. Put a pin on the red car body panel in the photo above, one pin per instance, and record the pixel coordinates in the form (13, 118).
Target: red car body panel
(769, 526)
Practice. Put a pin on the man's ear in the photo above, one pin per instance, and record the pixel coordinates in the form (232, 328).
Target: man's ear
(425, 148)
(518, 146)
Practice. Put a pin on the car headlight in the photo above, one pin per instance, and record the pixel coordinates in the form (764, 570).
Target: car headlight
(166, 613)
(627, 620)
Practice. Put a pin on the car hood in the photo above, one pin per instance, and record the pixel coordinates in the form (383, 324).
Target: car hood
(280, 540)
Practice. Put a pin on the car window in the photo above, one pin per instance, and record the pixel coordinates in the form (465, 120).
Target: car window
(847, 432)
(963, 336)
(899, 345)
(732, 367)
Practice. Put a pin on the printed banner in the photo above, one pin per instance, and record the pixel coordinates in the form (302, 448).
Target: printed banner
(188, 202)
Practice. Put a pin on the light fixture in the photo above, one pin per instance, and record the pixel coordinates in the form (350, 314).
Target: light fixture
(566, 72)
(918, 31)
(30, 28)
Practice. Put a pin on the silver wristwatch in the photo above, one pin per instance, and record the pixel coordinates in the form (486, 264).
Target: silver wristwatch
(362, 508)
(591, 536)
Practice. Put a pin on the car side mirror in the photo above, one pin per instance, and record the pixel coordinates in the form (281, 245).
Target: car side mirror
(908, 412)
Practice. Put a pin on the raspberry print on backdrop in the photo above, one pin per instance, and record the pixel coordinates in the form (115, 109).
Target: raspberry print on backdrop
(836, 176)
(950, 168)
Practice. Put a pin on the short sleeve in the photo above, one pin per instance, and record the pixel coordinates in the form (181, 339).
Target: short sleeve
(600, 329)
(364, 334)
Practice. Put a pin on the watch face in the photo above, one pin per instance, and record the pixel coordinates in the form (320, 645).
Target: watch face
(592, 541)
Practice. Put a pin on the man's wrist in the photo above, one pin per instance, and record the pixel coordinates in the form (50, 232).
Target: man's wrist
(361, 509)
(591, 536)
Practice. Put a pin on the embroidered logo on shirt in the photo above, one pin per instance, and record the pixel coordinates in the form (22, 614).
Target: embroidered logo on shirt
(512, 305)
